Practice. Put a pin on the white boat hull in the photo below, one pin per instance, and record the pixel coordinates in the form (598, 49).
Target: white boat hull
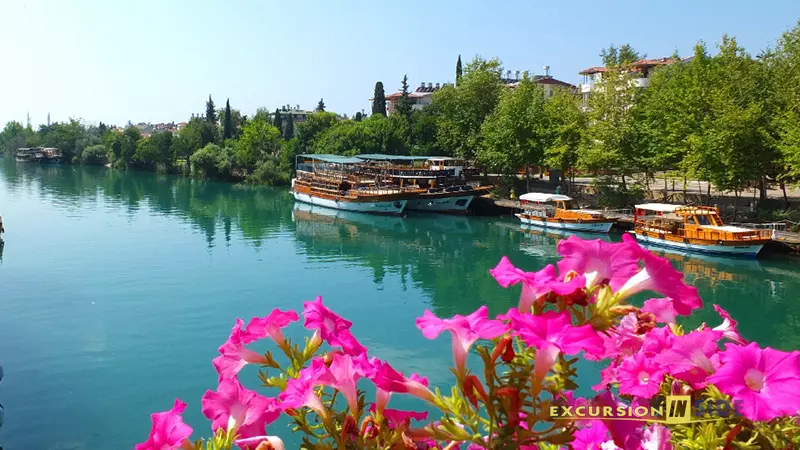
(596, 227)
(442, 204)
(732, 250)
(393, 207)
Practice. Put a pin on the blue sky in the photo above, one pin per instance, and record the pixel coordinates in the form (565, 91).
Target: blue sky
(158, 61)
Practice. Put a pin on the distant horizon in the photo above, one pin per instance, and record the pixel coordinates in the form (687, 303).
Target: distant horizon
(157, 63)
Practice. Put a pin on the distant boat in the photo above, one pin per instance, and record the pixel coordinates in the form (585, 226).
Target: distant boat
(551, 211)
(696, 229)
(40, 155)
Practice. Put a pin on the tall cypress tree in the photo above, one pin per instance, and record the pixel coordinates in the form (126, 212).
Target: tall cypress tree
(277, 121)
(289, 132)
(458, 69)
(321, 106)
(358, 117)
(227, 127)
(379, 100)
(403, 105)
(211, 111)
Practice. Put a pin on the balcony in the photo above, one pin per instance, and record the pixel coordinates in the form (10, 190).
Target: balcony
(642, 82)
(586, 87)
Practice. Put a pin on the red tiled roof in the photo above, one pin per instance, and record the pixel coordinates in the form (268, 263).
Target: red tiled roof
(640, 64)
(591, 70)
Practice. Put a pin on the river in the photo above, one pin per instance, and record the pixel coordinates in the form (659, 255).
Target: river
(117, 288)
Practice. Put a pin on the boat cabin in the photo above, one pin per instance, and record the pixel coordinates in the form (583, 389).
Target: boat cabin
(446, 163)
(701, 223)
(556, 206)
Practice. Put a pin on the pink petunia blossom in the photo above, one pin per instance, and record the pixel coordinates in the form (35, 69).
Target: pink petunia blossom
(552, 333)
(657, 340)
(594, 436)
(253, 442)
(659, 276)
(331, 327)
(619, 341)
(656, 437)
(168, 431)
(690, 356)
(766, 382)
(300, 392)
(234, 356)
(271, 325)
(465, 331)
(639, 375)
(600, 262)
(343, 374)
(608, 376)
(662, 308)
(534, 284)
(389, 380)
(233, 407)
(728, 327)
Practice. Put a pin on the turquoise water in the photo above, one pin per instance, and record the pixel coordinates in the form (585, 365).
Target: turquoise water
(117, 288)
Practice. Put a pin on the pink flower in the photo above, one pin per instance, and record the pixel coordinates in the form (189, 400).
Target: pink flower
(253, 442)
(691, 357)
(598, 261)
(343, 374)
(593, 436)
(639, 375)
(534, 284)
(621, 340)
(728, 327)
(608, 376)
(552, 333)
(271, 325)
(300, 392)
(389, 380)
(331, 327)
(465, 331)
(233, 407)
(657, 340)
(626, 433)
(662, 308)
(765, 381)
(658, 275)
(656, 437)
(234, 356)
(397, 417)
(168, 431)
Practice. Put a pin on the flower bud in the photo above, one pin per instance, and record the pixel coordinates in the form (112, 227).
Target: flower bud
(473, 389)
(290, 412)
(369, 428)
(623, 310)
(515, 403)
(349, 428)
(504, 349)
(646, 321)
(328, 359)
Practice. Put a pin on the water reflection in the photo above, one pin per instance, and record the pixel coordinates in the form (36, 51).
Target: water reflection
(445, 257)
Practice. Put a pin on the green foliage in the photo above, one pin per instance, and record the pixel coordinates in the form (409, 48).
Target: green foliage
(260, 140)
(269, 172)
(785, 65)
(227, 131)
(610, 195)
(379, 100)
(623, 56)
(212, 161)
(314, 125)
(423, 131)
(464, 107)
(13, 137)
(288, 132)
(320, 106)
(458, 70)
(211, 113)
(277, 120)
(95, 155)
(566, 125)
(516, 134)
(358, 116)
(403, 104)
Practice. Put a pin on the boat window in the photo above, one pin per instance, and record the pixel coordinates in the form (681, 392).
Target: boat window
(703, 220)
(692, 219)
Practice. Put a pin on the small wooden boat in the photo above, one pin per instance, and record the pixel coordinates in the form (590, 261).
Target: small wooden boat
(551, 211)
(696, 229)
(39, 155)
(329, 181)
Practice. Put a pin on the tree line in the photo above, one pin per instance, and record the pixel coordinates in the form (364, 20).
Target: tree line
(731, 119)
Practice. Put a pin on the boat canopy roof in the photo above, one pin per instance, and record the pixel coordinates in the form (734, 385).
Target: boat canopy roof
(442, 158)
(660, 207)
(543, 197)
(335, 159)
(379, 157)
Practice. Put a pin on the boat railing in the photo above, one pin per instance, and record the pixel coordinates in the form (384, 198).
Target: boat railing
(774, 227)
(617, 213)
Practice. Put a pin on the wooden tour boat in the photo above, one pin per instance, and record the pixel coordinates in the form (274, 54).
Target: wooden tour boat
(539, 212)
(440, 181)
(696, 229)
(333, 182)
(39, 155)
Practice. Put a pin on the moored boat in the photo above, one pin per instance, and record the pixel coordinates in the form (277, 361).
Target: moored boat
(551, 211)
(330, 181)
(695, 229)
(440, 181)
(39, 155)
